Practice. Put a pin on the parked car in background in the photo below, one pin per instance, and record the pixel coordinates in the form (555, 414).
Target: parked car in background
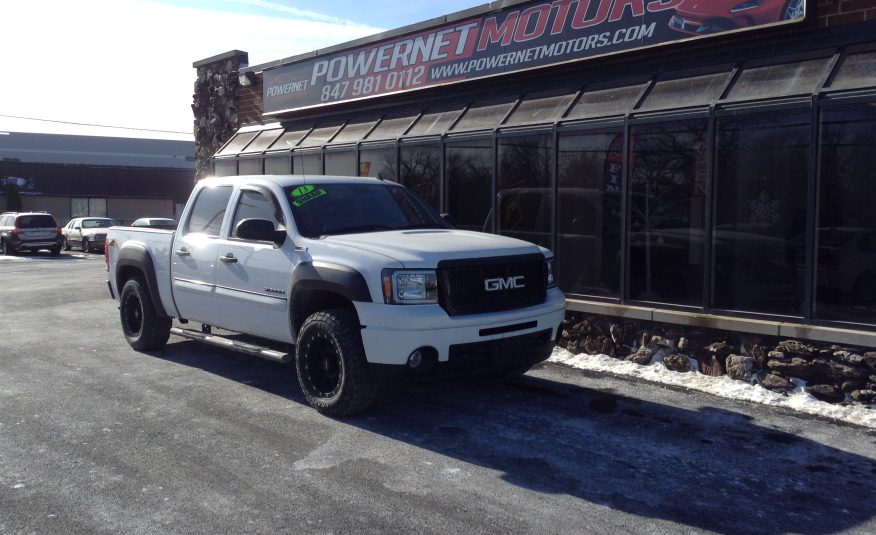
(155, 222)
(87, 233)
(29, 231)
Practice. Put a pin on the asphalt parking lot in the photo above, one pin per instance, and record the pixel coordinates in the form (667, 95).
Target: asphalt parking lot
(97, 438)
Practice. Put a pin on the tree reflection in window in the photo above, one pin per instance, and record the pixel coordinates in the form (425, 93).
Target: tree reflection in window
(469, 175)
(420, 171)
(667, 212)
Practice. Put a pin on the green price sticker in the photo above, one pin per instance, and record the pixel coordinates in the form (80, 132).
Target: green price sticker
(305, 194)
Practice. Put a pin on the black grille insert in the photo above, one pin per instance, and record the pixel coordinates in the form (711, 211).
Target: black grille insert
(491, 284)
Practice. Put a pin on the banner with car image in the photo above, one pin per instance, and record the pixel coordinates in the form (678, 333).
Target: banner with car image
(526, 36)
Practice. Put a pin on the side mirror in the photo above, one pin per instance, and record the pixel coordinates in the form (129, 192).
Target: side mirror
(449, 219)
(259, 230)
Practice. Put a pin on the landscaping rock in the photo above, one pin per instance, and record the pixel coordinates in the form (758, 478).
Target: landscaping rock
(710, 365)
(794, 347)
(829, 393)
(644, 354)
(676, 363)
(740, 367)
(870, 359)
(848, 357)
(864, 396)
(662, 342)
(721, 350)
(776, 382)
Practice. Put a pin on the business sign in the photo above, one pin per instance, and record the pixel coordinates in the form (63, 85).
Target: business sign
(529, 35)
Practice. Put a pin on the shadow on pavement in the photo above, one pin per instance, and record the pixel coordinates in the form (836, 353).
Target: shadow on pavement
(708, 469)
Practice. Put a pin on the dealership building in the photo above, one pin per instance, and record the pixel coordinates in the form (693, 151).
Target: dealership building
(708, 164)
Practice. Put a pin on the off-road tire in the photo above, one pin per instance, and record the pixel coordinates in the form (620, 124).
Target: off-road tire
(329, 343)
(144, 329)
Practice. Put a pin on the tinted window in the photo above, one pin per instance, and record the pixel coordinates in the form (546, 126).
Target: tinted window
(36, 221)
(329, 209)
(760, 212)
(469, 179)
(209, 210)
(667, 212)
(590, 171)
(524, 197)
(255, 205)
(420, 171)
(378, 163)
(846, 237)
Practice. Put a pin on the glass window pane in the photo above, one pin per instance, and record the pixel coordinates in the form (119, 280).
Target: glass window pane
(342, 163)
(392, 127)
(760, 215)
(320, 136)
(378, 163)
(353, 132)
(307, 164)
(667, 212)
(483, 116)
(263, 140)
(686, 92)
(779, 80)
(524, 195)
(420, 171)
(78, 207)
(280, 164)
(604, 102)
(225, 167)
(250, 166)
(237, 143)
(289, 139)
(254, 205)
(209, 210)
(537, 110)
(857, 70)
(468, 186)
(590, 171)
(435, 122)
(846, 237)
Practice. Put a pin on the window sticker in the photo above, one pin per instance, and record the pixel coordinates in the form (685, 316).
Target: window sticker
(305, 194)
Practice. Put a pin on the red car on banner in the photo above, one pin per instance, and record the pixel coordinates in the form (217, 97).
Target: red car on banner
(699, 17)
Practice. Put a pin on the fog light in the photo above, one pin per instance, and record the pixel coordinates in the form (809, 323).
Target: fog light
(415, 359)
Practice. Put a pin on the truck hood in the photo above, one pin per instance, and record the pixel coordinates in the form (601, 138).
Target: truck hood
(424, 248)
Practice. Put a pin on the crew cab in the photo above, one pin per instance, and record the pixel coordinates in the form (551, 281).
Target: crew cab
(358, 277)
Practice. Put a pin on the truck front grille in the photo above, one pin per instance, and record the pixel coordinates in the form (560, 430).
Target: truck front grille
(491, 284)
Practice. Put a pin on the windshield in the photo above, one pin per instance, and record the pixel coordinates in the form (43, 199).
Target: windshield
(329, 209)
(98, 223)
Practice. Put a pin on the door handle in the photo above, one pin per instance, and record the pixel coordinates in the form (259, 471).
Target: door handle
(182, 252)
(228, 259)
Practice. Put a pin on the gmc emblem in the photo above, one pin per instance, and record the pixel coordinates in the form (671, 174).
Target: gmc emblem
(509, 283)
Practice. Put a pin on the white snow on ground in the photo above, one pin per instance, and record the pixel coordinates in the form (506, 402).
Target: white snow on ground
(723, 386)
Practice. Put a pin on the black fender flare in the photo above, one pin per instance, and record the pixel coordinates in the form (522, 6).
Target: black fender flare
(330, 277)
(137, 257)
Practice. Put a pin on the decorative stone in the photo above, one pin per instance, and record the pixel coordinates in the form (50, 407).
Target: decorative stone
(683, 344)
(776, 382)
(740, 367)
(818, 370)
(870, 359)
(607, 347)
(711, 366)
(662, 342)
(720, 350)
(864, 396)
(643, 355)
(758, 353)
(676, 363)
(849, 386)
(829, 393)
(615, 331)
(777, 355)
(795, 347)
(847, 357)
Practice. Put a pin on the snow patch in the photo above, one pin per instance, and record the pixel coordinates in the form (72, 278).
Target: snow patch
(723, 386)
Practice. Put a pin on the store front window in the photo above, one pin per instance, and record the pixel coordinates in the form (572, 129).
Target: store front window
(468, 187)
(420, 171)
(759, 237)
(524, 193)
(307, 163)
(667, 210)
(589, 173)
(378, 163)
(340, 163)
(846, 235)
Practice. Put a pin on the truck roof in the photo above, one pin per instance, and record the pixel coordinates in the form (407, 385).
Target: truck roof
(293, 180)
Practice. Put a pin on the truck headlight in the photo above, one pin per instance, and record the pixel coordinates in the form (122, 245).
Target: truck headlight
(550, 272)
(410, 287)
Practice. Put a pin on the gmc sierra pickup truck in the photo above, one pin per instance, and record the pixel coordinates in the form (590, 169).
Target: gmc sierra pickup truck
(353, 277)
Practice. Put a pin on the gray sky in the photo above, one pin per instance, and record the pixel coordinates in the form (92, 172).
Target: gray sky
(129, 62)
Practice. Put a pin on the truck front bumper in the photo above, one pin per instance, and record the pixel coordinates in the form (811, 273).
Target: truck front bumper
(394, 332)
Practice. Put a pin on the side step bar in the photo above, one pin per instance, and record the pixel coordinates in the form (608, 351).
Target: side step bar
(225, 343)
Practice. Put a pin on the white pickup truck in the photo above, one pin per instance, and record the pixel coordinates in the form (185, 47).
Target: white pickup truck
(352, 276)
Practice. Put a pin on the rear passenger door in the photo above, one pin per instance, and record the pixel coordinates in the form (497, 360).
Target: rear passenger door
(195, 252)
(253, 277)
